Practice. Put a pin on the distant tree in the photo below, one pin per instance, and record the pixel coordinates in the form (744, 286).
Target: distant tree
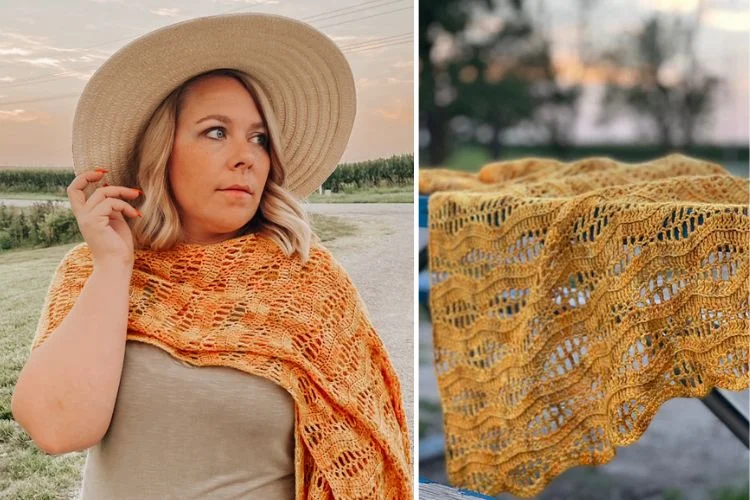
(559, 95)
(505, 78)
(480, 78)
(667, 89)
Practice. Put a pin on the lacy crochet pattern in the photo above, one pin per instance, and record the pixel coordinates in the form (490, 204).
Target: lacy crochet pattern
(570, 301)
(244, 304)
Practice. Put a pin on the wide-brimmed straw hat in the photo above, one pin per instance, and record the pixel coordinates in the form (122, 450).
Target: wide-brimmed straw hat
(304, 74)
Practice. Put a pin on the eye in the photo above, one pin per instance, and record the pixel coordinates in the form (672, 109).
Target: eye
(261, 139)
(220, 129)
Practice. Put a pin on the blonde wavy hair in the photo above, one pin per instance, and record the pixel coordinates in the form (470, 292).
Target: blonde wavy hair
(279, 217)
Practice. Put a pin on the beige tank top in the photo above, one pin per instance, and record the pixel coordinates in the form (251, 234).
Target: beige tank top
(184, 432)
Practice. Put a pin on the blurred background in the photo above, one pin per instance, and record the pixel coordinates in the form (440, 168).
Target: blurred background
(632, 80)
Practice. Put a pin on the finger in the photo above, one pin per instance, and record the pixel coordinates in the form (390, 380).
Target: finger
(110, 207)
(75, 189)
(111, 192)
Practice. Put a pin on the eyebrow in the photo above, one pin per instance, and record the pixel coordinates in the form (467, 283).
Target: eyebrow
(228, 121)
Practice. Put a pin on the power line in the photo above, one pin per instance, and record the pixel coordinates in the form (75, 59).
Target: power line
(308, 18)
(351, 11)
(383, 39)
(69, 73)
(355, 47)
(42, 99)
(366, 17)
(363, 49)
(45, 78)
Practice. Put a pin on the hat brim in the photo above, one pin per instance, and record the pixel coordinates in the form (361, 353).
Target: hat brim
(304, 74)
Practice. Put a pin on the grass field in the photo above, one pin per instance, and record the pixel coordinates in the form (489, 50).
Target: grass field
(31, 196)
(471, 159)
(26, 473)
(401, 194)
(396, 194)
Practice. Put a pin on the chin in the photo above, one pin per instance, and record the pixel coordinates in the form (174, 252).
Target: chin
(224, 226)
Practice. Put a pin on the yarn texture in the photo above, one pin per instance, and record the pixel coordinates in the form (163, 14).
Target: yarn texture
(243, 303)
(569, 301)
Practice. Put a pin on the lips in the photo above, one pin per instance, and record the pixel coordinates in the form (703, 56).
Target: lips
(235, 192)
(238, 189)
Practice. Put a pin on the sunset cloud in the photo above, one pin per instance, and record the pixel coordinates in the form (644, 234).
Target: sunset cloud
(15, 51)
(27, 39)
(166, 12)
(392, 80)
(34, 45)
(671, 5)
(344, 38)
(363, 83)
(729, 20)
(723, 19)
(59, 49)
(247, 2)
(43, 61)
(398, 111)
(19, 116)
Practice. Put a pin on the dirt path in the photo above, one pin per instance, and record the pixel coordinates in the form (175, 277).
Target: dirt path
(380, 261)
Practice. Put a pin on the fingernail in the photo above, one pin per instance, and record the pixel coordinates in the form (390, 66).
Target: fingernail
(101, 170)
(138, 212)
(136, 189)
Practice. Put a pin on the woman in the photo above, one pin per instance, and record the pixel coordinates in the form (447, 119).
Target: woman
(202, 343)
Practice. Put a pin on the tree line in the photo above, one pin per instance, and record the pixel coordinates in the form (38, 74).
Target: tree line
(398, 170)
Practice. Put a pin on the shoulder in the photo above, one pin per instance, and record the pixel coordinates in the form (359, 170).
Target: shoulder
(320, 256)
(324, 265)
(78, 257)
(74, 268)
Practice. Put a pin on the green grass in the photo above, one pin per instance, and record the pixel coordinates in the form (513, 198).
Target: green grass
(329, 228)
(397, 194)
(325, 226)
(430, 418)
(469, 159)
(31, 196)
(472, 158)
(727, 493)
(25, 471)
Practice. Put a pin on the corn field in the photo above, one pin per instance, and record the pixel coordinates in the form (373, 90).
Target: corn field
(398, 170)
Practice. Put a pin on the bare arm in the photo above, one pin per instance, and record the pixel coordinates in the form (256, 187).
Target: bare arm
(66, 391)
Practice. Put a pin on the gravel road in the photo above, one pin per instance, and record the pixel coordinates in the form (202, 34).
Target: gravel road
(380, 261)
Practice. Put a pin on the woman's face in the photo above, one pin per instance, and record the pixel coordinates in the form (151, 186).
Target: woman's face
(220, 141)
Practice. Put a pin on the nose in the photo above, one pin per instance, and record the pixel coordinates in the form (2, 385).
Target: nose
(244, 155)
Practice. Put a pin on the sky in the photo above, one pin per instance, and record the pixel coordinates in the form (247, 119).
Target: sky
(722, 46)
(49, 49)
(722, 49)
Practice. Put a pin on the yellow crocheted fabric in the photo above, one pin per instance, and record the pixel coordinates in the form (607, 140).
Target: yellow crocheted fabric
(243, 304)
(569, 301)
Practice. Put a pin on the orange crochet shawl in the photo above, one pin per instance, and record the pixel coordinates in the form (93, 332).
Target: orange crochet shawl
(569, 301)
(243, 304)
